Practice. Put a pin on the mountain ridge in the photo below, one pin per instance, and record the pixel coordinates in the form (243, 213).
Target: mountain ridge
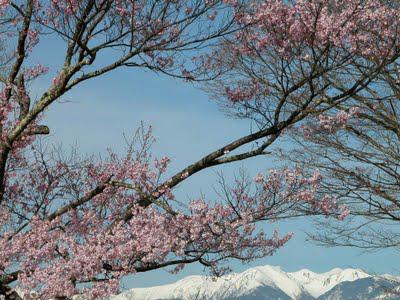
(271, 282)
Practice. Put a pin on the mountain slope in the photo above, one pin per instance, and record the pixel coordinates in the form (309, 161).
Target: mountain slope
(366, 288)
(318, 284)
(268, 282)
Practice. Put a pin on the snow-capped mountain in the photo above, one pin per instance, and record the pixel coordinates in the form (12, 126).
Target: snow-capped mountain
(268, 282)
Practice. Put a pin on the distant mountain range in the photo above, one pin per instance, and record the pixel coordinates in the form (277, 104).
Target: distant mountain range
(272, 283)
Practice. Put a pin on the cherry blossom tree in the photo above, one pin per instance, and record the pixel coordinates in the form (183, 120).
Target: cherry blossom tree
(73, 225)
(356, 148)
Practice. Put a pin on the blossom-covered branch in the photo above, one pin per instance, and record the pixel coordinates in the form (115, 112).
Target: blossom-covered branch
(71, 225)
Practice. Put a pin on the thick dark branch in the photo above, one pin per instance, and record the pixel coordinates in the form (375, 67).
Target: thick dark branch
(40, 129)
(89, 196)
(21, 44)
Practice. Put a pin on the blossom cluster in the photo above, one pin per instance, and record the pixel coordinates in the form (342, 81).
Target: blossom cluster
(330, 123)
(364, 27)
(57, 253)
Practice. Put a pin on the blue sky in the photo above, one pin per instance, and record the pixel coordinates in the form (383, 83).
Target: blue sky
(187, 125)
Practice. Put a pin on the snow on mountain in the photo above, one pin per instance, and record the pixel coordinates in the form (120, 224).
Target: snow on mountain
(232, 285)
(264, 282)
(318, 284)
(375, 288)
